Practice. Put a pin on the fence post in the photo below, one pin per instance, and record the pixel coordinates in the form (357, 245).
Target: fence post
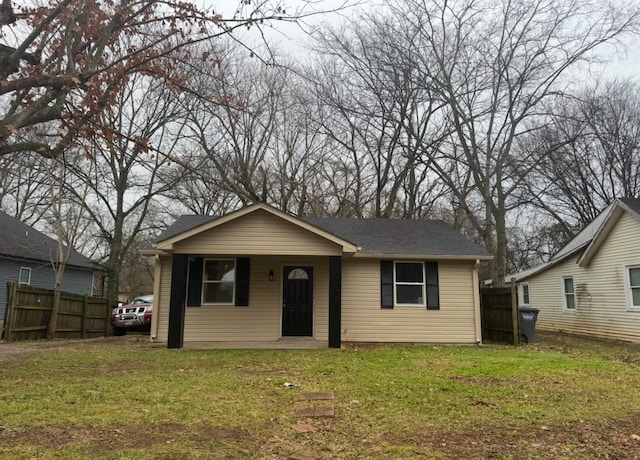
(9, 310)
(514, 312)
(108, 321)
(83, 332)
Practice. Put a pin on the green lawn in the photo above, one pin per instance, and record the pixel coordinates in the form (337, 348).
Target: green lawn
(564, 397)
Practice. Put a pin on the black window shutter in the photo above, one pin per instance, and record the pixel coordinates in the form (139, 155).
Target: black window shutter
(433, 291)
(194, 283)
(386, 283)
(242, 281)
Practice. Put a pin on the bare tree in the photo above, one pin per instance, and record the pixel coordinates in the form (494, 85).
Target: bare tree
(24, 192)
(495, 64)
(67, 61)
(69, 224)
(127, 170)
(379, 113)
(588, 156)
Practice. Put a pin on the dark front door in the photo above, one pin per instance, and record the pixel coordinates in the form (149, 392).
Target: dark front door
(297, 301)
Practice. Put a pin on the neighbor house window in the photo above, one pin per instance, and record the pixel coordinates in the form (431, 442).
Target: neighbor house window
(525, 295)
(633, 279)
(409, 283)
(218, 283)
(568, 293)
(25, 276)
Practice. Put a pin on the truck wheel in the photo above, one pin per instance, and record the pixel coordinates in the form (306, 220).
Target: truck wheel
(118, 331)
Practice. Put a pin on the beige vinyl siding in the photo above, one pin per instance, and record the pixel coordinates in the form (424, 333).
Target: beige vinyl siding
(259, 233)
(161, 301)
(363, 320)
(261, 320)
(601, 303)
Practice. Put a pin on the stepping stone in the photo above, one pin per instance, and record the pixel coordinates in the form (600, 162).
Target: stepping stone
(316, 396)
(315, 412)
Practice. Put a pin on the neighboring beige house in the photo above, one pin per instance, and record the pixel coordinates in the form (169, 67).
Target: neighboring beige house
(592, 285)
(259, 274)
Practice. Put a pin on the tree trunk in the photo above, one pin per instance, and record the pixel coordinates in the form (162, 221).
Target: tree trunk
(53, 319)
(499, 268)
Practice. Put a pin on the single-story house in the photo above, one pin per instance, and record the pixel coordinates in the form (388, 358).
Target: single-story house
(592, 285)
(28, 257)
(259, 274)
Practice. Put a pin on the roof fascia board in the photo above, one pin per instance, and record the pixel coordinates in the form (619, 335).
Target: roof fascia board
(347, 247)
(168, 243)
(153, 252)
(601, 235)
(547, 265)
(421, 256)
(631, 211)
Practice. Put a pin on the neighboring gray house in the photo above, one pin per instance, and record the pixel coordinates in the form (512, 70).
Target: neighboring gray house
(27, 256)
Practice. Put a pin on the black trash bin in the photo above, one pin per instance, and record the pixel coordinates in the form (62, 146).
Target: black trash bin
(528, 318)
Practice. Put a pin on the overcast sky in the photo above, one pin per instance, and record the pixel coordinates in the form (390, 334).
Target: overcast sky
(290, 36)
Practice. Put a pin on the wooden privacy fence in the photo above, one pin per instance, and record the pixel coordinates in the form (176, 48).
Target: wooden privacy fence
(500, 315)
(29, 309)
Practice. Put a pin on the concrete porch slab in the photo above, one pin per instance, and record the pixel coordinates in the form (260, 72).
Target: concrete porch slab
(284, 343)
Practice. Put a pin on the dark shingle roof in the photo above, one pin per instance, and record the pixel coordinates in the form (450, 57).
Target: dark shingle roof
(633, 203)
(400, 236)
(182, 224)
(374, 236)
(24, 242)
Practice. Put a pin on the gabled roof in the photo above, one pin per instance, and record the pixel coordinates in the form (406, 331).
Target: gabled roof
(630, 205)
(20, 241)
(367, 237)
(182, 230)
(590, 238)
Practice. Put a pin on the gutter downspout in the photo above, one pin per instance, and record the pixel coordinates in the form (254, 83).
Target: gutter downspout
(157, 273)
(476, 302)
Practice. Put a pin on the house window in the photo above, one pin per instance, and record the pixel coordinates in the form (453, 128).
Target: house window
(25, 276)
(525, 295)
(409, 283)
(568, 293)
(298, 274)
(633, 280)
(218, 283)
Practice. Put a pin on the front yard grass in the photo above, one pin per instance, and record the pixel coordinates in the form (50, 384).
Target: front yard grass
(564, 397)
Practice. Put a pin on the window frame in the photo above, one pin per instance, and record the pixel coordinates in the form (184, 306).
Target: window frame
(629, 288)
(565, 294)
(25, 270)
(528, 296)
(397, 283)
(206, 282)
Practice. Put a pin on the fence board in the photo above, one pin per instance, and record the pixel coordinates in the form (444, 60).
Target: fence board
(28, 311)
(499, 315)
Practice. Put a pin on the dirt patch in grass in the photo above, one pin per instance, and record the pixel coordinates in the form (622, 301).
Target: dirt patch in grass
(138, 437)
(20, 349)
(614, 439)
(581, 345)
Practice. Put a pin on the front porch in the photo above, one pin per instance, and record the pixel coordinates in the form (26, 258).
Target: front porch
(284, 343)
(291, 302)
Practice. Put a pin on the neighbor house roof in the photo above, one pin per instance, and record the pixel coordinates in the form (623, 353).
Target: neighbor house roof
(589, 239)
(371, 237)
(20, 241)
